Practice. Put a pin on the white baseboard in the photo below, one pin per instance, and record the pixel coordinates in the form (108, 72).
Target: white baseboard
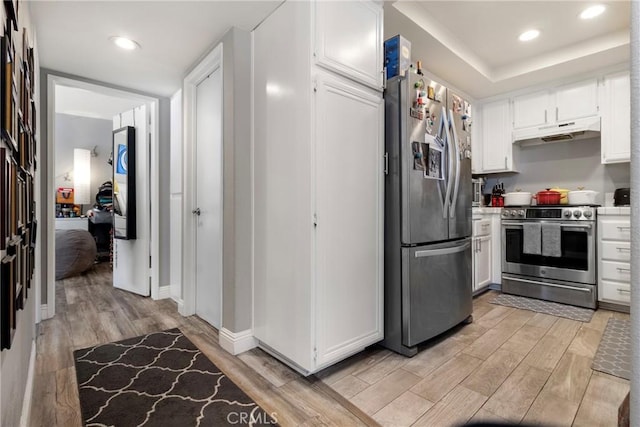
(237, 342)
(44, 312)
(180, 303)
(164, 292)
(25, 417)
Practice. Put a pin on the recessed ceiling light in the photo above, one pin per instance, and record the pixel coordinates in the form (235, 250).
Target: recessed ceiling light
(592, 11)
(124, 43)
(529, 35)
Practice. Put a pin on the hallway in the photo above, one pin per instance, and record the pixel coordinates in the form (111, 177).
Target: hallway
(92, 312)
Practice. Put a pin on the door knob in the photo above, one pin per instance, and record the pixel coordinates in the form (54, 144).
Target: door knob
(196, 211)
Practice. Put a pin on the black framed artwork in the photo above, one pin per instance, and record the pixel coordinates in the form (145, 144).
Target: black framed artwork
(124, 183)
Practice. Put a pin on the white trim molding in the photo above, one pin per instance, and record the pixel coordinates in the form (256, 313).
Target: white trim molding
(44, 312)
(164, 292)
(25, 417)
(237, 342)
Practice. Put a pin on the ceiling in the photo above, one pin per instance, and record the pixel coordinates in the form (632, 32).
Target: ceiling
(86, 103)
(73, 37)
(474, 45)
(471, 45)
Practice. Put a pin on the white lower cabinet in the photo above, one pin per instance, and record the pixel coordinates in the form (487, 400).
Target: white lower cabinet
(481, 250)
(481, 262)
(318, 200)
(614, 258)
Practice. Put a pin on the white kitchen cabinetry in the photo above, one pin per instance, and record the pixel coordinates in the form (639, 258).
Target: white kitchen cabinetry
(318, 195)
(614, 258)
(348, 39)
(497, 150)
(531, 110)
(615, 137)
(565, 103)
(576, 100)
(481, 251)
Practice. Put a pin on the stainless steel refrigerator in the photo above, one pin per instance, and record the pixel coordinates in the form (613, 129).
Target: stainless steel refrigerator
(428, 197)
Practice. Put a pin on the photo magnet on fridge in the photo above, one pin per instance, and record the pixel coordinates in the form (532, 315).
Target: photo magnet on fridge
(418, 156)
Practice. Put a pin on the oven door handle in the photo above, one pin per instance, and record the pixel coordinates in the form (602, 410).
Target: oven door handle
(553, 285)
(520, 224)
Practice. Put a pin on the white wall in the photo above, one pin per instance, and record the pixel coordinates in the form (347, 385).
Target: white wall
(175, 198)
(87, 133)
(15, 362)
(566, 165)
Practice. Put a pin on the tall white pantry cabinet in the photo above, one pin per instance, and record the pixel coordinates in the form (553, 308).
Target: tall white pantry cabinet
(318, 181)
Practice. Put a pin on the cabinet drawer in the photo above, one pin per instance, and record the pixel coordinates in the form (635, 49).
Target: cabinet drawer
(615, 251)
(614, 230)
(616, 292)
(481, 227)
(619, 271)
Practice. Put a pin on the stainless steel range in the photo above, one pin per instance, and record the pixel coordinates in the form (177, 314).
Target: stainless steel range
(549, 252)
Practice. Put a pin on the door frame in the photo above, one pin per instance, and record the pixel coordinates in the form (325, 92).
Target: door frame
(153, 104)
(208, 65)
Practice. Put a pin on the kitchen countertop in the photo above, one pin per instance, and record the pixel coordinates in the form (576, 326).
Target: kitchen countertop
(482, 210)
(614, 210)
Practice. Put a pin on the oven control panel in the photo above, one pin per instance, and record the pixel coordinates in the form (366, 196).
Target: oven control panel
(570, 213)
(513, 213)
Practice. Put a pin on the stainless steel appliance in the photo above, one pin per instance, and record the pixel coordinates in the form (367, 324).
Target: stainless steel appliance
(428, 198)
(569, 277)
(477, 187)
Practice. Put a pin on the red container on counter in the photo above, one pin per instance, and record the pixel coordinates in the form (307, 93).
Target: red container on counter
(497, 201)
(548, 197)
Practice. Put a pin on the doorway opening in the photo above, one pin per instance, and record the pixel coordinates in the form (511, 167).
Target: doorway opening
(81, 119)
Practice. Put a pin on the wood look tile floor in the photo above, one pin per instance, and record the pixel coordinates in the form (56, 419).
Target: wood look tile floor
(510, 365)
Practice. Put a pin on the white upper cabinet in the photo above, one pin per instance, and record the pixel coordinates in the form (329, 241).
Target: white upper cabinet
(576, 100)
(565, 103)
(497, 151)
(476, 140)
(616, 118)
(348, 37)
(531, 110)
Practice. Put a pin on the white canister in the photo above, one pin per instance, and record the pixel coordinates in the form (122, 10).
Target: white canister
(517, 198)
(583, 197)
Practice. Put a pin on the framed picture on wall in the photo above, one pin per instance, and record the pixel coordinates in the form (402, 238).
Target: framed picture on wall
(8, 92)
(4, 202)
(11, 8)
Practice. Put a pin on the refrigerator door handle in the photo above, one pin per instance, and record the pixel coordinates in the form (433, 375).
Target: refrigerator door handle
(456, 185)
(443, 251)
(444, 126)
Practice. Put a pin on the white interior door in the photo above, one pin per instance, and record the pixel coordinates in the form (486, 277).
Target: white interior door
(131, 270)
(208, 153)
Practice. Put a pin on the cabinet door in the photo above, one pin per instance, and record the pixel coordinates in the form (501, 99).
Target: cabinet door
(496, 137)
(348, 39)
(531, 110)
(481, 262)
(349, 180)
(577, 100)
(476, 141)
(616, 118)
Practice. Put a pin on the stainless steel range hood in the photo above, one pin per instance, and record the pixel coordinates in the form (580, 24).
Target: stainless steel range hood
(571, 130)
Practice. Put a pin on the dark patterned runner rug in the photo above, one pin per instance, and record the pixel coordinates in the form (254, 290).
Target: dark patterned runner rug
(614, 351)
(160, 379)
(547, 307)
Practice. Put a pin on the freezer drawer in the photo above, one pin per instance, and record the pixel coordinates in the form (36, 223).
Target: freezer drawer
(437, 293)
